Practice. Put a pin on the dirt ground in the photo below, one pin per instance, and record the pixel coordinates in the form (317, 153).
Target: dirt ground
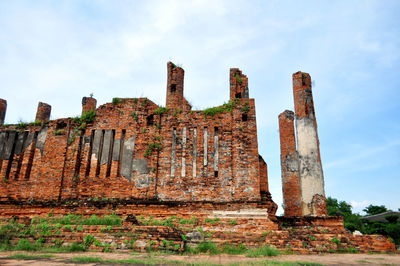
(326, 259)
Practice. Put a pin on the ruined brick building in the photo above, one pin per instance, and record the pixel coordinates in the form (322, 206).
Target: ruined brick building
(140, 158)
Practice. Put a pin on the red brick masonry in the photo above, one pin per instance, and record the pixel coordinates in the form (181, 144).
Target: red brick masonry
(136, 158)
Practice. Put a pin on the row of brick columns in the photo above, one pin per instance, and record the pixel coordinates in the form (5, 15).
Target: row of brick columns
(302, 175)
(44, 110)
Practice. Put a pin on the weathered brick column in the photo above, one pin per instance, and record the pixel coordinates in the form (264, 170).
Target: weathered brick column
(263, 174)
(3, 109)
(43, 112)
(311, 175)
(239, 84)
(88, 104)
(289, 165)
(175, 98)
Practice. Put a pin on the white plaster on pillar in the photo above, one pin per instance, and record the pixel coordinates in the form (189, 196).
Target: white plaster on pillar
(311, 175)
(183, 169)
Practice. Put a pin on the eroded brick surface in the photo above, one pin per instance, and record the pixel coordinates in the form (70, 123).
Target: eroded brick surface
(43, 112)
(3, 109)
(289, 165)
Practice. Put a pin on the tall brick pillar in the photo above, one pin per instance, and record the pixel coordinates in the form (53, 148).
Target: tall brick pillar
(289, 165)
(239, 84)
(43, 112)
(175, 98)
(88, 104)
(311, 175)
(3, 109)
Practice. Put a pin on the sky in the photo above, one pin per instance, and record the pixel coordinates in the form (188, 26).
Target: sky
(59, 51)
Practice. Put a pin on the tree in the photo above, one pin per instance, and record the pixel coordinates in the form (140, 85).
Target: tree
(341, 208)
(374, 209)
(352, 221)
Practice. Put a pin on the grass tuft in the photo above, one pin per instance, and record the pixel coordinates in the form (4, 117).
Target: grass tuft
(266, 251)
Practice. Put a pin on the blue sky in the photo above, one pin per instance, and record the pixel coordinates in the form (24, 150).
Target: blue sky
(60, 51)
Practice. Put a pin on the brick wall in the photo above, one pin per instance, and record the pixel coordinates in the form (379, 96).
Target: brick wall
(133, 151)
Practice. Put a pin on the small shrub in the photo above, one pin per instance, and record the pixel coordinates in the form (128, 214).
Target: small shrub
(239, 79)
(352, 250)
(134, 116)
(88, 241)
(115, 101)
(245, 108)
(161, 110)
(106, 229)
(24, 244)
(207, 247)
(226, 107)
(58, 132)
(76, 247)
(88, 117)
(335, 240)
(212, 221)
(192, 220)
(232, 222)
(97, 243)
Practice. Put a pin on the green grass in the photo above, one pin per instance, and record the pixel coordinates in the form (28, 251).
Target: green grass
(208, 247)
(265, 251)
(335, 240)
(86, 259)
(72, 219)
(278, 263)
(25, 244)
(29, 257)
(234, 250)
(160, 110)
(150, 260)
(226, 107)
(363, 261)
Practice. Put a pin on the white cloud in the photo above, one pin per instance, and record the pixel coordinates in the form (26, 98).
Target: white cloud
(358, 206)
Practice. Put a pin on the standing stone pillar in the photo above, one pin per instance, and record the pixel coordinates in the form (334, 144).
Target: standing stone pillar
(43, 112)
(311, 175)
(289, 165)
(3, 109)
(88, 104)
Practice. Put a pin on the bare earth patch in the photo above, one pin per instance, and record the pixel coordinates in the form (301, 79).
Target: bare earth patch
(223, 259)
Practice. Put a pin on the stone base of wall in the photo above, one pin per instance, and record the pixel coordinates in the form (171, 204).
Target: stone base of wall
(324, 234)
(173, 226)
